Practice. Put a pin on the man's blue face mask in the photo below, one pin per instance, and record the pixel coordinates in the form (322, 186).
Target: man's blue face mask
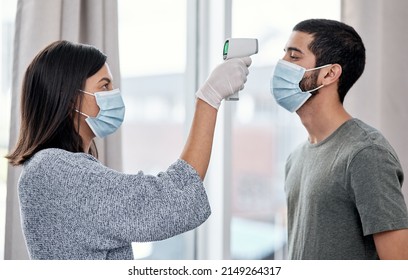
(285, 85)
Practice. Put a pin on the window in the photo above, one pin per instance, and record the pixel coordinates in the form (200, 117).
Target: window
(7, 14)
(153, 65)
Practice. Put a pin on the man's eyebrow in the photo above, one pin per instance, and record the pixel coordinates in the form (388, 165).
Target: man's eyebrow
(105, 79)
(293, 49)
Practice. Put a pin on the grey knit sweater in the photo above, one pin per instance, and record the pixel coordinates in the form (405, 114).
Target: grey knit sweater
(73, 207)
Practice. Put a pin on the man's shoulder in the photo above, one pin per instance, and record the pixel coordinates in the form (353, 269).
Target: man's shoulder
(367, 143)
(362, 135)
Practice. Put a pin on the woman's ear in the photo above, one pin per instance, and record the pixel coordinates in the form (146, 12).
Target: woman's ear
(332, 75)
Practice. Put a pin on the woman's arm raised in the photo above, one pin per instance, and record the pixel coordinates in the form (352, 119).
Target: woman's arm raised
(228, 78)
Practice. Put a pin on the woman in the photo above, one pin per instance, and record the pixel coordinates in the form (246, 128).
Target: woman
(72, 206)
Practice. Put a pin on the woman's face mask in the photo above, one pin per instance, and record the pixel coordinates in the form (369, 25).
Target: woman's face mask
(285, 85)
(111, 112)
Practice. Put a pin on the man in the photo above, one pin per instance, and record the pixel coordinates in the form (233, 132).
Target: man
(343, 185)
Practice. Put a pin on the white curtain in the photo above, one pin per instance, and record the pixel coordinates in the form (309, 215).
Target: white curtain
(380, 97)
(39, 23)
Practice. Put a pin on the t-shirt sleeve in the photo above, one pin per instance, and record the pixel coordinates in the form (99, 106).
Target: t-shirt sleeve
(116, 207)
(376, 179)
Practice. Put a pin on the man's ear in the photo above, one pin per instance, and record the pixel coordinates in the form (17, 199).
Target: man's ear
(332, 74)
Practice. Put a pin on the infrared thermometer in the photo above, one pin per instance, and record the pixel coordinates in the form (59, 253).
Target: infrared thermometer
(239, 47)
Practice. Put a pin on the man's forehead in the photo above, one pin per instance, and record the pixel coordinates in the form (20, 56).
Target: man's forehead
(299, 41)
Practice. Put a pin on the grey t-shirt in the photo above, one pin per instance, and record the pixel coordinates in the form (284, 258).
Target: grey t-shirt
(340, 192)
(73, 207)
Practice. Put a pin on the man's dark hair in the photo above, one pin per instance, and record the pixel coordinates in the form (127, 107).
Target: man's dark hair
(336, 42)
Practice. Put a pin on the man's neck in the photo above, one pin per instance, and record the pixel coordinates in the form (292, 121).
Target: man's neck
(321, 120)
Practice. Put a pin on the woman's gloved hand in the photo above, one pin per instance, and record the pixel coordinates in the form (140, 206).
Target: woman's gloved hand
(226, 79)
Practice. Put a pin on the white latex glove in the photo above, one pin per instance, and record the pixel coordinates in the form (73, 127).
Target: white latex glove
(226, 79)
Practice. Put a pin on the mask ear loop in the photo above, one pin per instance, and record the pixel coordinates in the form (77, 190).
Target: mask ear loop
(83, 114)
(89, 93)
(313, 90)
(317, 68)
(76, 110)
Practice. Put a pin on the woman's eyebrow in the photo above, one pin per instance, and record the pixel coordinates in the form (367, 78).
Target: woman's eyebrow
(105, 79)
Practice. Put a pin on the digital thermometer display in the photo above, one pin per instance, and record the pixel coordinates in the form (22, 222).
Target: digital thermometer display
(226, 46)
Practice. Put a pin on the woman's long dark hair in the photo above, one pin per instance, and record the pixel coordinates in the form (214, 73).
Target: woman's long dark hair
(48, 97)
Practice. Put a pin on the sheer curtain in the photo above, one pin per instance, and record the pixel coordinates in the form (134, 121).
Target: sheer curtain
(380, 96)
(39, 23)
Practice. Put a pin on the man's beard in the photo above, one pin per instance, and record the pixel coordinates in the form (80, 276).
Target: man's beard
(310, 82)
